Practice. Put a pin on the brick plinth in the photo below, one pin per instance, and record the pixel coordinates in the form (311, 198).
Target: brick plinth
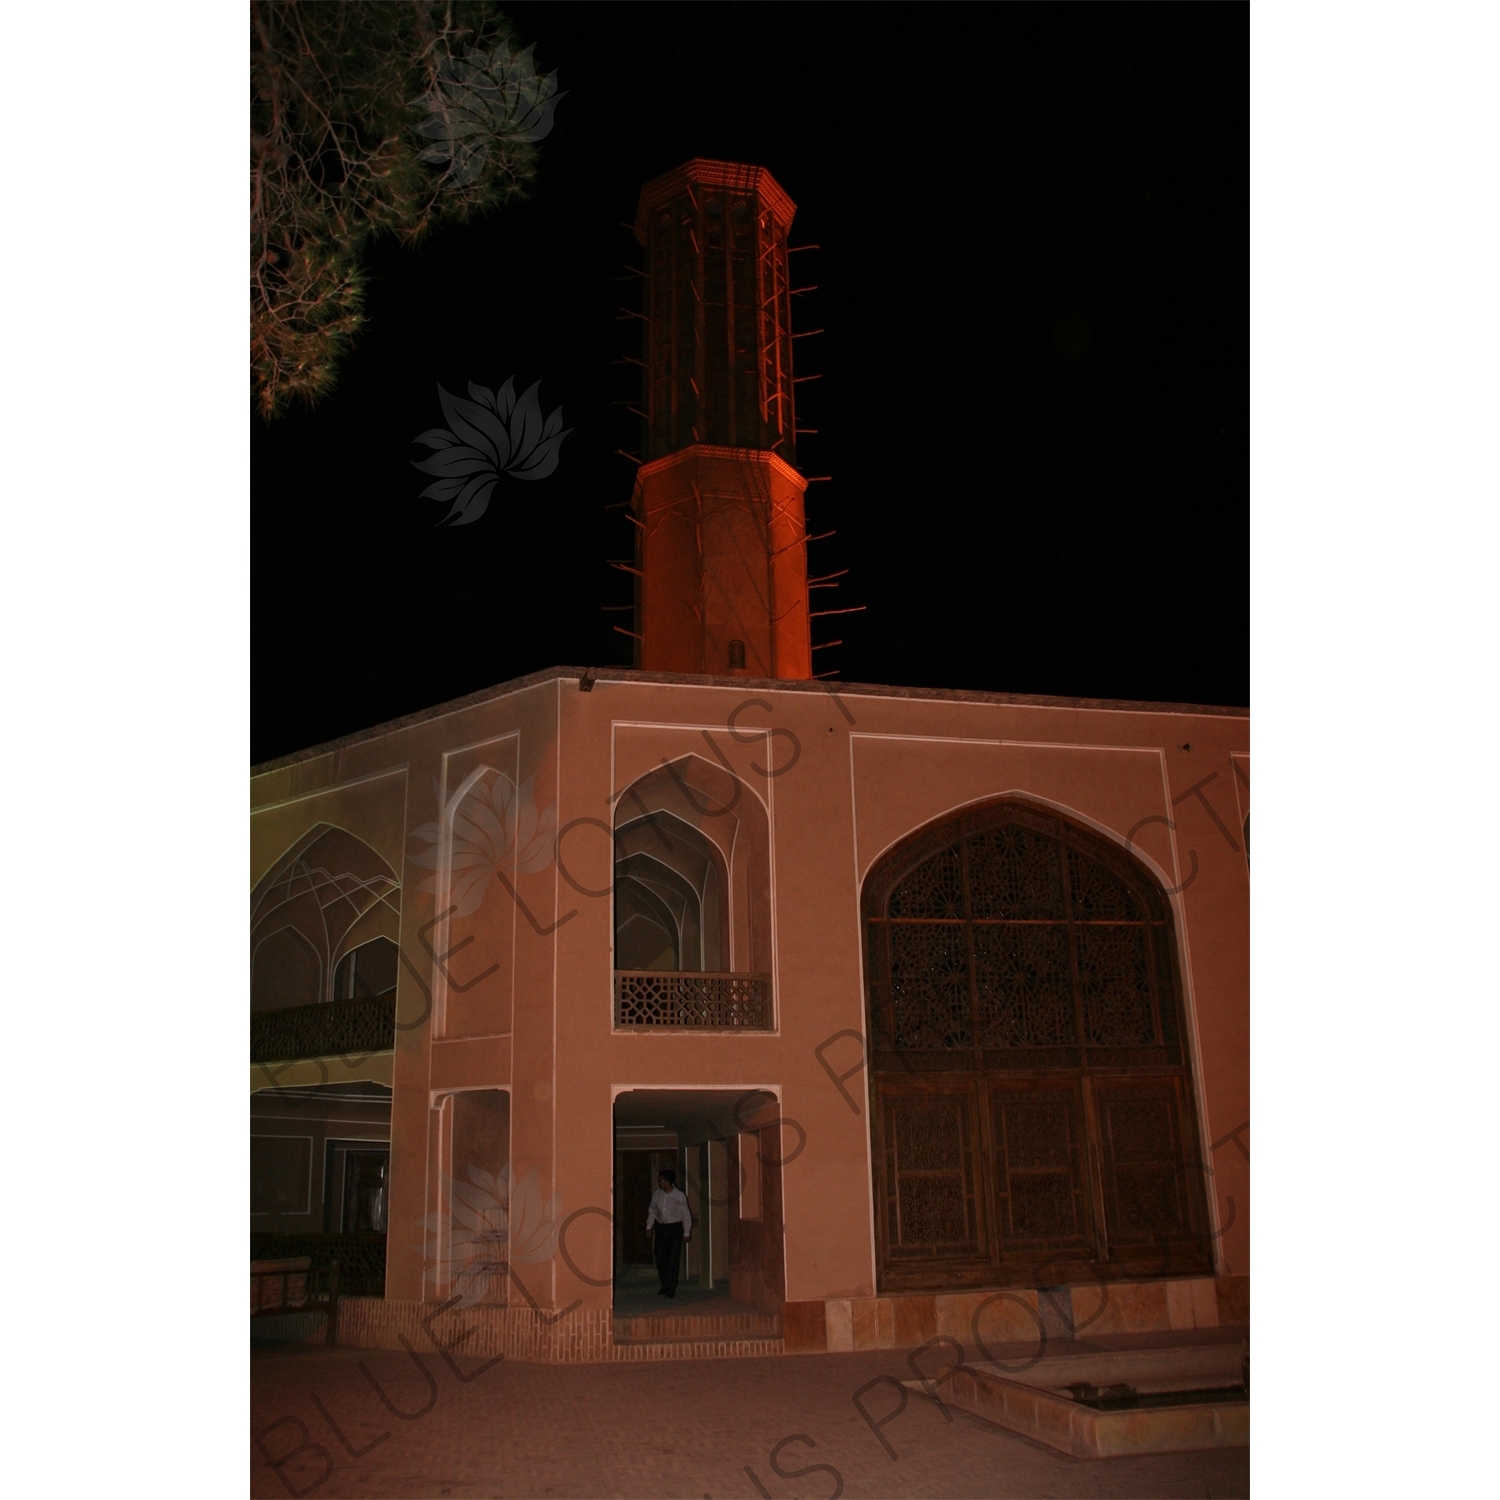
(834, 1325)
(581, 1336)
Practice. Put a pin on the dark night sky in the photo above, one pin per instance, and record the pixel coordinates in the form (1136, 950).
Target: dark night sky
(1034, 281)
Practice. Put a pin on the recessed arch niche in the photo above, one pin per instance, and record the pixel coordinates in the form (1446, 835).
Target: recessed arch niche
(692, 872)
(327, 895)
(1031, 1105)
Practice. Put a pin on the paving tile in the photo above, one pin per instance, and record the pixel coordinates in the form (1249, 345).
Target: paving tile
(351, 1422)
(1127, 1307)
(915, 1320)
(839, 1322)
(1180, 1304)
(1233, 1296)
(1205, 1303)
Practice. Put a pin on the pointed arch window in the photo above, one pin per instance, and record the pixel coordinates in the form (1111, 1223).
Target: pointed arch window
(1031, 1102)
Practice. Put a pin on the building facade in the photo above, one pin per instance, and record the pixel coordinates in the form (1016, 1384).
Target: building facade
(954, 986)
(937, 1001)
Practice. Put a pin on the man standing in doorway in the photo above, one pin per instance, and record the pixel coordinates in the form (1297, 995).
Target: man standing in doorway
(673, 1222)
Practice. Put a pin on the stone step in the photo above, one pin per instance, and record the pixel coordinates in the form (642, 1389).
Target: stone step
(1198, 1401)
(1194, 1367)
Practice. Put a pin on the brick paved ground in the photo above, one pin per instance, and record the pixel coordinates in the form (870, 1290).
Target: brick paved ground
(687, 1428)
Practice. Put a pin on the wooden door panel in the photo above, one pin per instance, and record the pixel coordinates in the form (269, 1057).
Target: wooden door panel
(1141, 1141)
(1150, 1187)
(930, 1157)
(1040, 1169)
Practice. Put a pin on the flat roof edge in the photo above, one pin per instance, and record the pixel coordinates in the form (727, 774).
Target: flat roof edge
(674, 679)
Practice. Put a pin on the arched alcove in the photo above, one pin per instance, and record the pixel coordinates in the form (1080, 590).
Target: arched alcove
(367, 971)
(692, 900)
(336, 894)
(1032, 1110)
(669, 897)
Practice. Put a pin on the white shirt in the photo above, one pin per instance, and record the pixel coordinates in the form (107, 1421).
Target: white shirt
(670, 1208)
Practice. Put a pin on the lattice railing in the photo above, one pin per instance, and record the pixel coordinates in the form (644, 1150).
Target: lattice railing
(692, 1002)
(340, 1028)
(361, 1258)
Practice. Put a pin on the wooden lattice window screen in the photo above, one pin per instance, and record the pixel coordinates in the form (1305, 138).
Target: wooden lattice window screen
(708, 1002)
(1040, 1185)
(929, 1143)
(1024, 964)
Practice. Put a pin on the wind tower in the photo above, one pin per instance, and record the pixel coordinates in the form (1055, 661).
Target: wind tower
(721, 538)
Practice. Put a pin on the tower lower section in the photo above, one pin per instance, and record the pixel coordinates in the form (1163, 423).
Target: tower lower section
(723, 532)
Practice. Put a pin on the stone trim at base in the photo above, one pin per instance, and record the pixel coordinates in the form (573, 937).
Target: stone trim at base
(1014, 1314)
(833, 1325)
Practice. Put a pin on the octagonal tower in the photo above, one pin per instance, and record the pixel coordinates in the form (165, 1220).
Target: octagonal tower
(721, 539)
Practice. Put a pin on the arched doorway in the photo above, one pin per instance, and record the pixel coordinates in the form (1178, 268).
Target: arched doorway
(1031, 1101)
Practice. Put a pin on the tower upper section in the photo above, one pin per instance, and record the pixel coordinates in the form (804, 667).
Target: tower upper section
(718, 344)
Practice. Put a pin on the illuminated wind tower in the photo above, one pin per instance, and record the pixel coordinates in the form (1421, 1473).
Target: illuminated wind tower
(721, 539)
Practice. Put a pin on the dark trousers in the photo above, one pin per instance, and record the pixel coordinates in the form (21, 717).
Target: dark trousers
(668, 1255)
